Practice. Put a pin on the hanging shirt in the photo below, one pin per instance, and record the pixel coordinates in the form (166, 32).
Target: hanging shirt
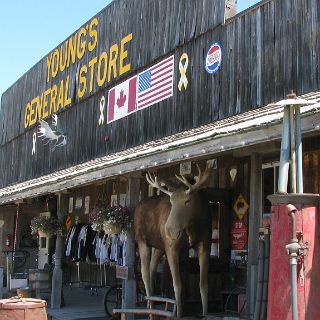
(101, 249)
(82, 241)
(115, 253)
(88, 254)
(123, 241)
(75, 242)
(96, 244)
(69, 240)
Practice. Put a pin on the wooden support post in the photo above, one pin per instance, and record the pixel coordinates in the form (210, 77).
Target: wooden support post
(1, 242)
(1, 267)
(56, 292)
(254, 224)
(129, 292)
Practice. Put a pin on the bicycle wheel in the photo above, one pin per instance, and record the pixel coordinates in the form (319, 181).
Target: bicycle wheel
(112, 300)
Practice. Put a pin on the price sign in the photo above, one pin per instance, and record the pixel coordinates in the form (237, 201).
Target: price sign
(239, 235)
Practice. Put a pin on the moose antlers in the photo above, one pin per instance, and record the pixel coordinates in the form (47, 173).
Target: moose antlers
(200, 179)
(153, 181)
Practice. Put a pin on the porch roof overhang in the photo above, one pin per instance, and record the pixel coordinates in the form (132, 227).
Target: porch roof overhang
(239, 131)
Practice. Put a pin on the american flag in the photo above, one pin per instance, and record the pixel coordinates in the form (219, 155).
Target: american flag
(156, 83)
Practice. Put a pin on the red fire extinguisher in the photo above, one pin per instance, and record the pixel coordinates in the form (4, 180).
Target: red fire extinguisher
(8, 240)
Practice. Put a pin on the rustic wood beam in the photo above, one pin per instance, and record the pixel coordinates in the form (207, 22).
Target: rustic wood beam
(56, 293)
(209, 147)
(129, 292)
(255, 211)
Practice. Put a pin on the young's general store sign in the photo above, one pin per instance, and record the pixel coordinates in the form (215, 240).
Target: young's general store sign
(100, 69)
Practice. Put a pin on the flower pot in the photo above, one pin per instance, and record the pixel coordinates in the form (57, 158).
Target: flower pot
(111, 228)
(42, 234)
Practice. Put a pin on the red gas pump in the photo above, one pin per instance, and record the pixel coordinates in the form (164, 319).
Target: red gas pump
(307, 279)
(294, 248)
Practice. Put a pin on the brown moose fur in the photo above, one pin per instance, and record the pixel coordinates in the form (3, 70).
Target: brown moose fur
(165, 224)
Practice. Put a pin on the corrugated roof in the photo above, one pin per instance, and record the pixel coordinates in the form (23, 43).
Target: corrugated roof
(119, 163)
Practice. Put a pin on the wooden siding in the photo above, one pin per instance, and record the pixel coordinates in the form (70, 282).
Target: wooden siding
(157, 26)
(266, 52)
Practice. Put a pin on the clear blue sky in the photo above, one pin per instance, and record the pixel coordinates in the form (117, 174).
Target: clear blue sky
(32, 28)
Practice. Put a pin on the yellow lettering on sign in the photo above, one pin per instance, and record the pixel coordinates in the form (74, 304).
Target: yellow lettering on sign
(53, 99)
(27, 115)
(63, 56)
(39, 107)
(93, 33)
(91, 65)
(99, 70)
(60, 96)
(82, 81)
(55, 63)
(124, 54)
(67, 100)
(81, 47)
(49, 60)
(33, 119)
(45, 111)
(101, 77)
(72, 49)
(113, 55)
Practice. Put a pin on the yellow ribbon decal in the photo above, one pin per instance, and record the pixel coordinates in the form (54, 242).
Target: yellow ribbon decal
(183, 70)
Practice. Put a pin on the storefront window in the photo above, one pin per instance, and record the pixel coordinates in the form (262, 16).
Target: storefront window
(43, 242)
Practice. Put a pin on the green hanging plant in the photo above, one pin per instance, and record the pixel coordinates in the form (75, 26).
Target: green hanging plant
(116, 217)
(49, 226)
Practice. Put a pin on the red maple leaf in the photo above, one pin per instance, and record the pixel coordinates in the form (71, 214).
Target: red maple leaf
(122, 99)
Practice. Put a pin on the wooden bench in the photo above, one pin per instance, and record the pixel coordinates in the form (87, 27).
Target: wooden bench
(169, 311)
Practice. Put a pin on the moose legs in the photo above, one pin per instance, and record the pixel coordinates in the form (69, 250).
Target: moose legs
(145, 252)
(149, 266)
(203, 254)
(173, 260)
(155, 257)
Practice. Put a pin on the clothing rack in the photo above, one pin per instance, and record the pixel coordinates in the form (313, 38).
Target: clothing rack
(85, 244)
(95, 254)
(98, 276)
(78, 277)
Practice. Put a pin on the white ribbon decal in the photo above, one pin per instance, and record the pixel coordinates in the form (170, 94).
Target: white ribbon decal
(102, 105)
(54, 120)
(183, 70)
(34, 140)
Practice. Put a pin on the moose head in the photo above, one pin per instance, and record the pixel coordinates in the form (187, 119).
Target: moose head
(185, 202)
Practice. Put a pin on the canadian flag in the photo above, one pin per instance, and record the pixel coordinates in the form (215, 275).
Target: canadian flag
(122, 99)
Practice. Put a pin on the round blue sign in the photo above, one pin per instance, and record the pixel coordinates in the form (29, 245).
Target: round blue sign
(213, 58)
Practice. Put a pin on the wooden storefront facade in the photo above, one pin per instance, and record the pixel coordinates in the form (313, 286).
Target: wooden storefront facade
(87, 120)
(264, 56)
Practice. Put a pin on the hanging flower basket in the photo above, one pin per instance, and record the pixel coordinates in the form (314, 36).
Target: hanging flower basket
(111, 228)
(113, 220)
(45, 226)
